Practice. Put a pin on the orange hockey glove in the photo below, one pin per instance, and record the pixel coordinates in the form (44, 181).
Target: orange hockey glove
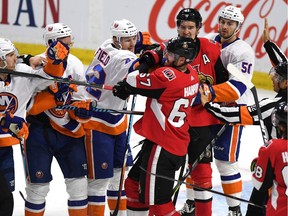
(57, 54)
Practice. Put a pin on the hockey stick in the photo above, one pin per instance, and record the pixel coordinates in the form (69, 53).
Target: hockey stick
(56, 79)
(115, 212)
(201, 188)
(192, 167)
(95, 109)
(235, 72)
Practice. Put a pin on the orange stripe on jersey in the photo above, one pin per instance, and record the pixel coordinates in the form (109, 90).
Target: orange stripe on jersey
(245, 116)
(232, 188)
(234, 142)
(225, 93)
(104, 128)
(80, 132)
(8, 140)
(42, 101)
(89, 153)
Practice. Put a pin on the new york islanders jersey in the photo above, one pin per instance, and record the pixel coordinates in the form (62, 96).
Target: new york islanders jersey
(240, 54)
(59, 118)
(165, 118)
(15, 94)
(109, 66)
(272, 171)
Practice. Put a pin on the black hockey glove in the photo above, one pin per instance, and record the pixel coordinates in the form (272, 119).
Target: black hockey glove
(120, 90)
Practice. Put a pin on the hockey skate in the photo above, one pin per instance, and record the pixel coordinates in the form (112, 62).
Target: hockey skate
(188, 209)
(234, 211)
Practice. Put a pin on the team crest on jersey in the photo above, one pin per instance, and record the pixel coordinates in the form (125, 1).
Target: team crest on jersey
(8, 102)
(204, 78)
(169, 74)
(58, 113)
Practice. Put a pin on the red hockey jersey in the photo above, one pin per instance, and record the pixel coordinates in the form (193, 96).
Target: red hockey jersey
(204, 64)
(165, 119)
(272, 171)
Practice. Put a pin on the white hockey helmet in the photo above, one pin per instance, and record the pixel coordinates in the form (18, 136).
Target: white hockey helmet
(6, 47)
(123, 28)
(232, 13)
(55, 31)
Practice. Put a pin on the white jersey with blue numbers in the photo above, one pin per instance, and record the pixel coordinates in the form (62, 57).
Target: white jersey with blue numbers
(240, 54)
(109, 66)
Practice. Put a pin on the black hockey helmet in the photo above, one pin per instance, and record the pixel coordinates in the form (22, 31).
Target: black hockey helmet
(185, 47)
(279, 114)
(279, 71)
(189, 14)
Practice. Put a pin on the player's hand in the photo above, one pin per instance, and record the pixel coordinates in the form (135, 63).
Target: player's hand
(143, 41)
(14, 125)
(62, 92)
(120, 90)
(207, 93)
(265, 35)
(84, 110)
(151, 57)
(57, 54)
(36, 61)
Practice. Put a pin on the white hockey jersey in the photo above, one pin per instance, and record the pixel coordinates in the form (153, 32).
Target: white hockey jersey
(240, 54)
(109, 66)
(15, 94)
(59, 118)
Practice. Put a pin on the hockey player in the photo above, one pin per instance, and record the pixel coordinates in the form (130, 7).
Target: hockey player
(15, 92)
(211, 71)
(226, 151)
(270, 171)
(106, 138)
(170, 91)
(54, 134)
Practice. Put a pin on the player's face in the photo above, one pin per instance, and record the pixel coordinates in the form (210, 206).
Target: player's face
(11, 59)
(188, 29)
(278, 82)
(128, 43)
(227, 28)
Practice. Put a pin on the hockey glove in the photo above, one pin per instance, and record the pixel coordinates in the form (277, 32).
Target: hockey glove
(62, 92)
(151, 57)
(57, 54)
(14, 125)
(253, 164)
(143, 41)
(84, 110)
(120, 90)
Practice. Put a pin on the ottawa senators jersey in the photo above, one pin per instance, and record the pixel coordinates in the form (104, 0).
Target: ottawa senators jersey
(205, 65)
(170, 94)
(272, 171)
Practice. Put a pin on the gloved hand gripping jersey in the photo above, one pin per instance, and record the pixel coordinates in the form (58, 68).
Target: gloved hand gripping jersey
(14, 125)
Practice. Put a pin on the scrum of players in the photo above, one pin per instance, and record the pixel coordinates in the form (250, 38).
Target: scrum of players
(49, 109)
